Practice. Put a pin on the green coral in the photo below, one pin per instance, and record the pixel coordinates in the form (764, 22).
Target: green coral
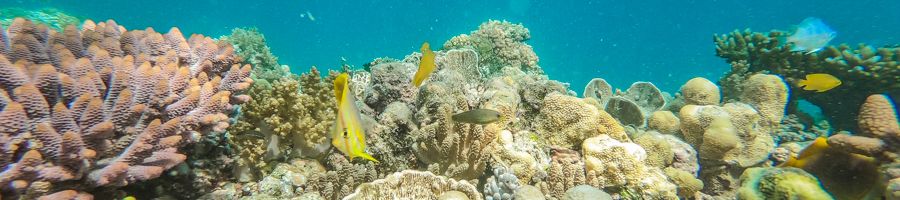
(52, 17)
(863, 69)
(688, 185)
(250, 44)
(659, 151)
(780, 183)
(289, 116)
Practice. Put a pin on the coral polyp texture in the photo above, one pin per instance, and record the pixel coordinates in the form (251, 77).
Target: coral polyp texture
(102, 106)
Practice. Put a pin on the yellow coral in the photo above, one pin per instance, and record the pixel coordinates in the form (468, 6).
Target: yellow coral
(665, 122)
(768, 94)
(700, 91)
(566, 121)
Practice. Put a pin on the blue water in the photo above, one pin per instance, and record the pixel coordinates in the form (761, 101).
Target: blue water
(622, 41)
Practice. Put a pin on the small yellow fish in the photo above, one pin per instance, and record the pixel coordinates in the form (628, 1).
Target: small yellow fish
(477, 116)
(129, 198)
(810, 153)
(426, 65)
(819, 82)
(348, 135)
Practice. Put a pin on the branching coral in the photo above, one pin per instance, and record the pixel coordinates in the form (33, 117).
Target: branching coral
(499, 44)
(411, 184)
(292, 116)
(864, 70)
(78, 109)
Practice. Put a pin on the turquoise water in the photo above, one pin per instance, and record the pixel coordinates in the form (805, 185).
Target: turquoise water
(622, 41)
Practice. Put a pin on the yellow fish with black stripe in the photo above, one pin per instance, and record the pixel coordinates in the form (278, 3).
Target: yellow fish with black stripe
(348, 135)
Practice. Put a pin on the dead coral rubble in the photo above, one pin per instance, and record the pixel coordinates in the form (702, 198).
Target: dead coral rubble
(105, 107)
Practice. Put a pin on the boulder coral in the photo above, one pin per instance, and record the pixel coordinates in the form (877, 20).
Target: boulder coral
(700, 91)
(565, 121)
(768, 94)
(780, 183)
(105, 107)
(664, 122)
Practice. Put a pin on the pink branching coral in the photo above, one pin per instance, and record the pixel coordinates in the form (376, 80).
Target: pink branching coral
(105, 107)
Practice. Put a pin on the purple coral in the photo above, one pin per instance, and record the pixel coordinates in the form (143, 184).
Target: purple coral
(103, 106)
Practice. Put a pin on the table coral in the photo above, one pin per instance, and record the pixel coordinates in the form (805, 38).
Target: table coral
(80, 110)
(565, 121)
(864, 69)
(411, 184)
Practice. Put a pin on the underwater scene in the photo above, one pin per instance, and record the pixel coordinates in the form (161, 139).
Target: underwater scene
(449, 100)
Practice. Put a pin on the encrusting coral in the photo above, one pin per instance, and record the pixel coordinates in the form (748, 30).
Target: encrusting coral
(105, 107)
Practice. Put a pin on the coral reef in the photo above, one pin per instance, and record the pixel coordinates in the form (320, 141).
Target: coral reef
(501, 186)
(700, 91)
(565, 121)
(51, 17)
(499, 44)
(864, 70)
(250, 44)
(106, 107)
(290, 116)
(410, 184)
(780, 183)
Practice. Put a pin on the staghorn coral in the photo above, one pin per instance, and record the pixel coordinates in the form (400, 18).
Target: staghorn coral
(411, 184)
(499, 44)
(79, 113)
(565, 121)
(864, 70)
(291, 116)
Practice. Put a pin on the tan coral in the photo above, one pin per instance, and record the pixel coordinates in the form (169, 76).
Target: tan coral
(566, 121)
(664, 122)
(610, 163)
(411, 184)
(565, 172)
(768, 94)
(700, 91)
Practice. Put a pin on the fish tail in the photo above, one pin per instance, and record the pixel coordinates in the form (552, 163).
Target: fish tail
(367, 157)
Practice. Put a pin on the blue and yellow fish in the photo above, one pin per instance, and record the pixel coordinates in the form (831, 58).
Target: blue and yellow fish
(348, 135)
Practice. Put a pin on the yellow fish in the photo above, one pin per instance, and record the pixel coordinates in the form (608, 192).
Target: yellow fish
(819, 82)
(810, 153)
(426, 65)
(348, 135)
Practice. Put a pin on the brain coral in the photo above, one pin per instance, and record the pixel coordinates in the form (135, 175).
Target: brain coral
(664, 122)
(700, 91)
(768, 94)
(566, 121)
(103, 106)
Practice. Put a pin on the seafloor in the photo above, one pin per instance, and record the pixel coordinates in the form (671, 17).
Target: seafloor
(98, 110)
